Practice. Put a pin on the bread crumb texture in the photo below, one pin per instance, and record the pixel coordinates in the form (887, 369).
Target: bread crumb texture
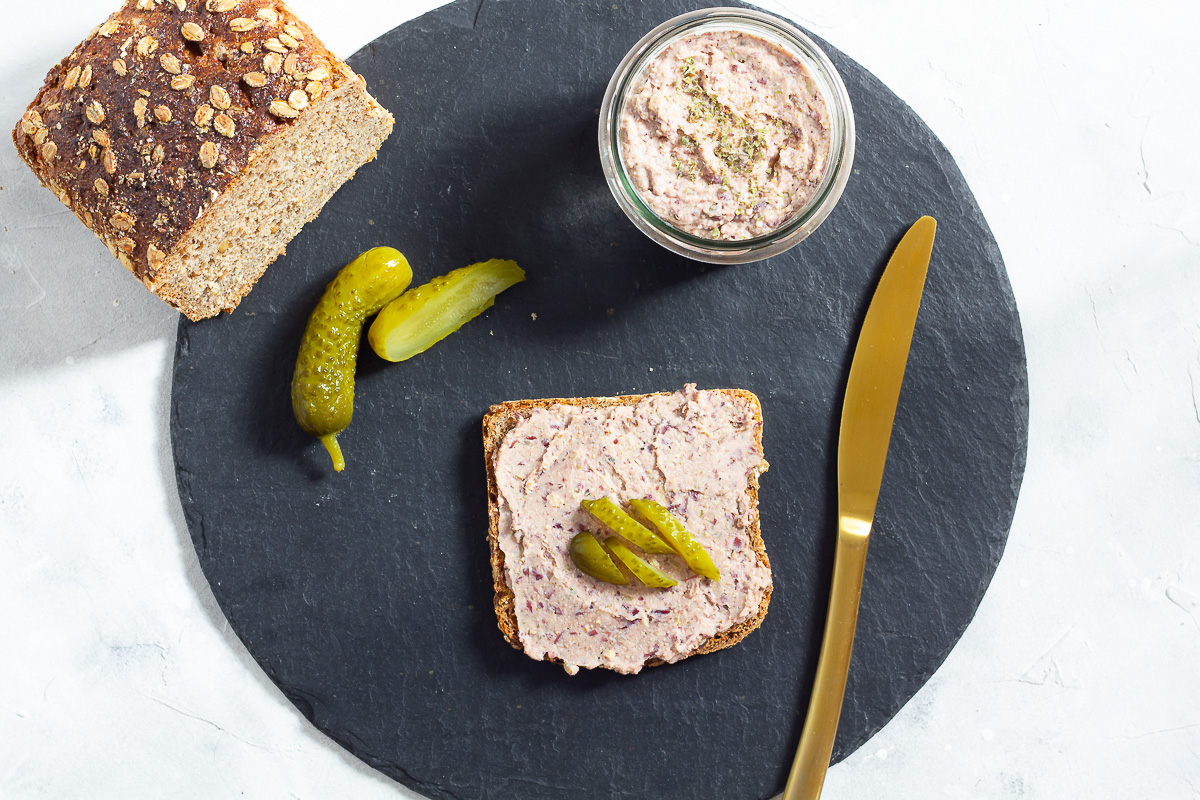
(196, 137)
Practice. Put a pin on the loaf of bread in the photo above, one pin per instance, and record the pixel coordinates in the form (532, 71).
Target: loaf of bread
(697, 452)
(196, 137)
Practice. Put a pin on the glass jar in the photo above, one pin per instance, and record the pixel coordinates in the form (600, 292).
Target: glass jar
(841, 128)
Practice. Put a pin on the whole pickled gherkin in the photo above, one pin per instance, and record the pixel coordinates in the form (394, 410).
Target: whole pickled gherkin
(323, 382)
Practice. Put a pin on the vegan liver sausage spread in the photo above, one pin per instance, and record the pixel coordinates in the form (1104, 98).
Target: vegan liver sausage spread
(695, 452)
(725, 135)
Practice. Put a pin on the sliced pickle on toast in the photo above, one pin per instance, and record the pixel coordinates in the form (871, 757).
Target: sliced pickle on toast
(697, 558)
(644, 572)
(592, 559)
(626, 526)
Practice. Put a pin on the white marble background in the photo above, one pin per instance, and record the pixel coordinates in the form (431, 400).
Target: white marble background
(1075, 123)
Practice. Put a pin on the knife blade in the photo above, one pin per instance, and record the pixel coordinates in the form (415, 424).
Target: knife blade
(868, 411)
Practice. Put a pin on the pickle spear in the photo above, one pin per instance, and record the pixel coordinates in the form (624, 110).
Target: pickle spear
(697, 558)
(615, 517)
(323, 383)
(427, 314)
(592, 559)
(644, 572)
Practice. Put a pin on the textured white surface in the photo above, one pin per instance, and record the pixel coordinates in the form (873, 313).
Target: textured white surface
(1074, 123)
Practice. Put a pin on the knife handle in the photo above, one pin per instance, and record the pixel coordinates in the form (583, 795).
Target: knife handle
(825, 706)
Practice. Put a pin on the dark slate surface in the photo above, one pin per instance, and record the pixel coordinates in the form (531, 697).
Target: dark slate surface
(366, 596)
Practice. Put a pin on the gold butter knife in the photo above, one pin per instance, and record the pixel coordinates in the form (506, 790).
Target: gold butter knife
(867, 414)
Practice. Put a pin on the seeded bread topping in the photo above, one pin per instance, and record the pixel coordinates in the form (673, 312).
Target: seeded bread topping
(696, 452)
(160, 111)
(725, 135)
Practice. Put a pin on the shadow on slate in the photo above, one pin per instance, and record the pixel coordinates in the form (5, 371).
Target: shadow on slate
(366, 596)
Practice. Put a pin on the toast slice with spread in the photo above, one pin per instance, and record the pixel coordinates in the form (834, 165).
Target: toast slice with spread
(697, 452)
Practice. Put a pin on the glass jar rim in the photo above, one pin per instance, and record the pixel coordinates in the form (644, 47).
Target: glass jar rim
(830, 85)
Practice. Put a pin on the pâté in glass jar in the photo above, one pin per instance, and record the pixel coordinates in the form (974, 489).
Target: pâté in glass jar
(728, 135)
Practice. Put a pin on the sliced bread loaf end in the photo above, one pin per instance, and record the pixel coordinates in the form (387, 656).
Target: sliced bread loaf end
(195, 139)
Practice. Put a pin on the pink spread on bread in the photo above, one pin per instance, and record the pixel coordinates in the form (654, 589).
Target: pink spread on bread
(696, 452)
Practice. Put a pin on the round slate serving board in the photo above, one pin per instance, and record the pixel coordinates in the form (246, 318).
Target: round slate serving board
(366, 596)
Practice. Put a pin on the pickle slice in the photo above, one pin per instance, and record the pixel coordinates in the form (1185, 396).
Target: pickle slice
(323, 382)
(615, 517)
(422, 317)
(641, 570)
(592, 559)
(697, 558)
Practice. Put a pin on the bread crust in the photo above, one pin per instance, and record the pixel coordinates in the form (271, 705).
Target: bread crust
(503, 417)
(158, 112)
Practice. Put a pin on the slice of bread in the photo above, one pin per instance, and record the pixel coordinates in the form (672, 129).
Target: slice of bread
(502, 419)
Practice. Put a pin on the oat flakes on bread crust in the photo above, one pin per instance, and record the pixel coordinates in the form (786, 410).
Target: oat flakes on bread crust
(503, 417)
(196, 137)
